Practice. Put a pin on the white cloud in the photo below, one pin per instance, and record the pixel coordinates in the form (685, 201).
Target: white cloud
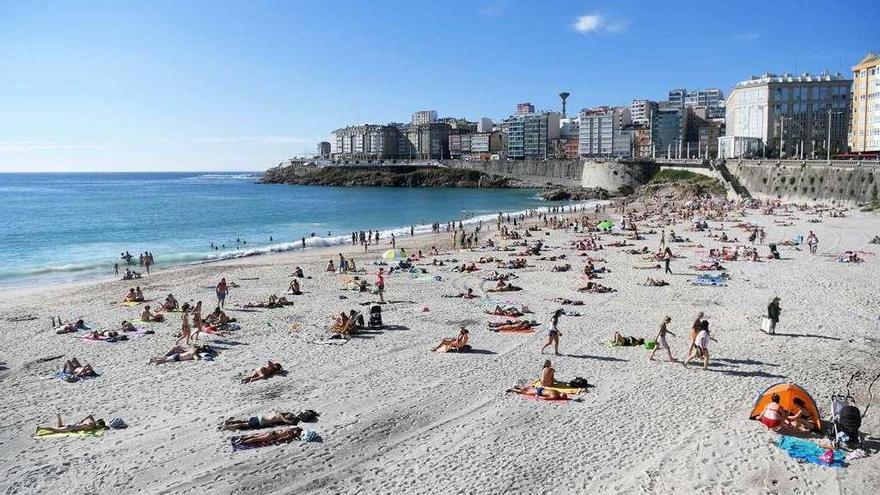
(597, 23)
(589, 23)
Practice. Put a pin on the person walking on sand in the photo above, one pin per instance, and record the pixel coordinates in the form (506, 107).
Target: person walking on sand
(197, 320)
(812, 242)
(667, 257)
(773, 311)
(661, 339)
(701, 346)
(184, 329)
(553, 334)
(695, 329)
(380, 284)
(222, 291)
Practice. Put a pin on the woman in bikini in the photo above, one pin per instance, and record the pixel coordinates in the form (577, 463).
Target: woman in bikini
(544, 393)
(454, 344)
(553, 333)
(197, 320)
(89, 423)
(773, 415)
(265, 421)
(184, 329)
(263, 372)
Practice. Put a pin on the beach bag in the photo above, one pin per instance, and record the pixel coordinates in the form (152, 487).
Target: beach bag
(765, 324)
(650, 344)
(579, 382)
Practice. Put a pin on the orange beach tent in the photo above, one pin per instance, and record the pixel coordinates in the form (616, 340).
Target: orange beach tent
(787, 393)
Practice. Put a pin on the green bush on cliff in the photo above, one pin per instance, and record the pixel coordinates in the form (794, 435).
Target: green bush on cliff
(684, 177)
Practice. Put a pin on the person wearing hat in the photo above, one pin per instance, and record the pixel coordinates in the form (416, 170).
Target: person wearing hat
(773, 311)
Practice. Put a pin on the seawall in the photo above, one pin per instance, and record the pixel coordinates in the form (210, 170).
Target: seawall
(805, 181)
(533, 172)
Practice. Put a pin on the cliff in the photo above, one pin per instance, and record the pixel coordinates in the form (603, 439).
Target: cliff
(384, 176)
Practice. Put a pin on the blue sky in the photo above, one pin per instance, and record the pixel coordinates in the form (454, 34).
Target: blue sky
(111, 86)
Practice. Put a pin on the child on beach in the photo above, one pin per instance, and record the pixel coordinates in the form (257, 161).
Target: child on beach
(701, 346)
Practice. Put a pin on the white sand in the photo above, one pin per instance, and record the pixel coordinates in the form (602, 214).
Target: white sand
(396, 418)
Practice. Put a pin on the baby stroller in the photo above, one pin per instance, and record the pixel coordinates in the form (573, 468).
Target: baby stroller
(846, 418)
(376, 316)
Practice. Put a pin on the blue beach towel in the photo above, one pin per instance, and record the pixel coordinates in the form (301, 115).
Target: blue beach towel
(807, 451)
(711, 280)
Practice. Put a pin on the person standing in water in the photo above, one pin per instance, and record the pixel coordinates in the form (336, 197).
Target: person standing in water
(116, 269)
(553, 333)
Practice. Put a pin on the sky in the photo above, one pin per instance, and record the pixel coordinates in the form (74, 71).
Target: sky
(192, 85)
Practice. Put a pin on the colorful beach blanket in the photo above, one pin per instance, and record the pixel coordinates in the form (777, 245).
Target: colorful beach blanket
(807, 451)
(711, 280)
(46, 433)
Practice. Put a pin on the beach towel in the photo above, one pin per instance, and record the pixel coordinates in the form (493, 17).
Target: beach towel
(130, 303)
(535, 398)
(70, 378)
(46, 433)
(711, 280)
(237, 445)
(526, 330)
(330, 342)
(807, 451)
(561, 387)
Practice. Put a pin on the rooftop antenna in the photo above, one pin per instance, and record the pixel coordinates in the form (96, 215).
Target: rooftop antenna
(564, 96)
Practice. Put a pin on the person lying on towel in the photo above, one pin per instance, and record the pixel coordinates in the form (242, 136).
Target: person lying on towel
(544, 393)
(620, 340)
(264, 421)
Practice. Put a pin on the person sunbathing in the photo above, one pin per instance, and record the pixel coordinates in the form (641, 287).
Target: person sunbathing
(330, 267)
(127, 326)
(595, 288)
(77, 371)
(146, 315)
(131, 296)
(108, 335)
(265, 421)
(503, 286)
(218, 318)
(138, 295)
(512, 326)
(568, 302)
(263, 372)
(262, 439)
(459, 343)
(298, 273)
(644, 250)
(89, 423)
(463, 295)
(170, 303)
(650, 282)
(293, 288)
(71, 327)
(509, 311)
(561, 268)
(544, 393)
(620, 340)
(178, 353)
(466, 268)
(709, 267)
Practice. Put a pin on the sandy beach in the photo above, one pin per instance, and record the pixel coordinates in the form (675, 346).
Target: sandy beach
(398, 418)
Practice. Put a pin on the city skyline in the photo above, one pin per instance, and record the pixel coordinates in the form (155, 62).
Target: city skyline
(202, 86)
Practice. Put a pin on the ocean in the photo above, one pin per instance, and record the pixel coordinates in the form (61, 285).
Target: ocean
(67, 227)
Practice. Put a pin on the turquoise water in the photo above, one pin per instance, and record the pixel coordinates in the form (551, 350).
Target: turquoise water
(63, 227)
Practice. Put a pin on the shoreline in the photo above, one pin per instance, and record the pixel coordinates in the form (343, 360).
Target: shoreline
(402, 234)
